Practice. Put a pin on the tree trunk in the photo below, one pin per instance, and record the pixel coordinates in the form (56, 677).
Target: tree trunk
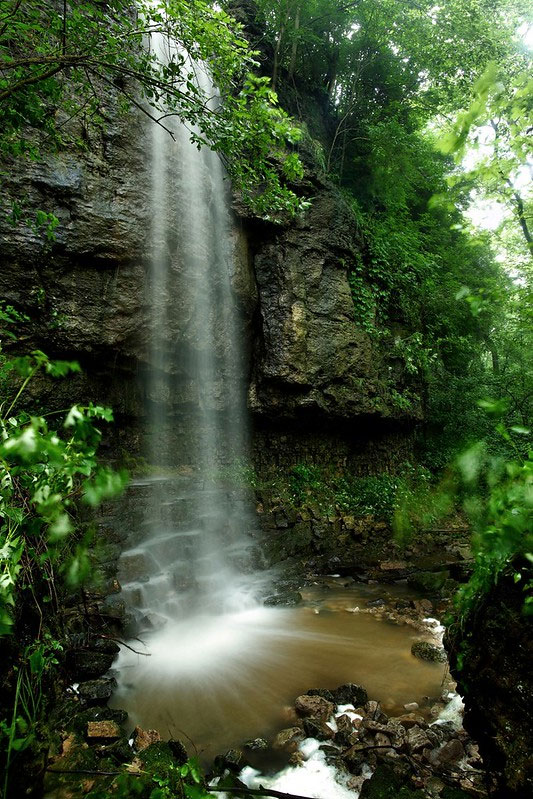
(294, 51)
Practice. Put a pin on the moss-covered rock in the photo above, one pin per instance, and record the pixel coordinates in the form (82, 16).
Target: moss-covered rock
(423, 650)
(387, 783)
(428, 582)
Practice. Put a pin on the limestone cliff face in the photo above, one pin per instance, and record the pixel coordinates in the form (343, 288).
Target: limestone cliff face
(87, 292)
(310, 358)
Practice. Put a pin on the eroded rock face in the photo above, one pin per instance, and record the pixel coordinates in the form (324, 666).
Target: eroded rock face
(310, 355)
(89, 280)
(496, 682)
(88, 296)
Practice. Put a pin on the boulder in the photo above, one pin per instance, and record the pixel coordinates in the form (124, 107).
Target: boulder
(322, 692)
(428, 582)
(97, 692)
(81, 720)
(426, 651)
(256, 744)
(142, 739)
(350, 694)
(86, 664)
(289, 739)
(315, 707)
(103, 729)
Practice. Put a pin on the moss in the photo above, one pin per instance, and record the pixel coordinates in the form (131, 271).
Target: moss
(80, 720)
(386, 783)
(454, 793)
(159, 759)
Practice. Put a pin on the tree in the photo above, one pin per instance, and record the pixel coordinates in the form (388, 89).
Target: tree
(69, 56)
(498, 123)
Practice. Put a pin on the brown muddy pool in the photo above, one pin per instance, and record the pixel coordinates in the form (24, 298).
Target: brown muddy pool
(219, 681)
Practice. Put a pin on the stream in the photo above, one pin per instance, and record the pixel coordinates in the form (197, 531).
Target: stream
(220, 680)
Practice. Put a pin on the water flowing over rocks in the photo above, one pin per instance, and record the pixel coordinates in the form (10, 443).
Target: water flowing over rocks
(370, 752)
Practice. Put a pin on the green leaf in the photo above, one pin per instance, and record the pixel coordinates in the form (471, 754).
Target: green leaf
(196, 792)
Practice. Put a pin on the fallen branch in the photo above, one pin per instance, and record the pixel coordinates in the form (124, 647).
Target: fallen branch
(123, 643)
(259, 792)
(244, 791)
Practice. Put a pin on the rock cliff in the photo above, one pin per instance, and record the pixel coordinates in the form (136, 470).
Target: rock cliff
(87, 298)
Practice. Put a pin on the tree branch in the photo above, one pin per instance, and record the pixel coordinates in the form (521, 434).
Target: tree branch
(243, 791)
(22, 84)
(9, 15)
(134, 102)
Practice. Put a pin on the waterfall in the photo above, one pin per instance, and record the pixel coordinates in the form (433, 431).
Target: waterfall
(192, 556)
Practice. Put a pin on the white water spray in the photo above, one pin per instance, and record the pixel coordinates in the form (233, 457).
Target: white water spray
(192, 557)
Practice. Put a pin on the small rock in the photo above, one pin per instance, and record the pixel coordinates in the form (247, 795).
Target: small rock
(103, 729)
(256, 744)
(233, 761)
(314, 707)
(135, 767)
(426, 651)
(119, 750)
(411, 706)
(350, 694)
(409, 720)
(356, 757)
(375, 603)
(288, 599)
(417, 739)
(296, 758)
(450, 752)
(382, 740)
(142, 739)
(355, 783)
(288, 739)
(423, 606)
(315, 728)
(373, 710)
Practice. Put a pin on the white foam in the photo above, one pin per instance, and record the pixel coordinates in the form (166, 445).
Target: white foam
(435, 624)
(453, 712)
(348, 710)
(314, 778)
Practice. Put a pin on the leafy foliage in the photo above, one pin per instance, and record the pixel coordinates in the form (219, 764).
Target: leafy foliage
(43, 471)
(66, 58)
(19, 732)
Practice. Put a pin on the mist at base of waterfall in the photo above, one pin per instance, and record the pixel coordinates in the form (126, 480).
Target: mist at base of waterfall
(220, 680)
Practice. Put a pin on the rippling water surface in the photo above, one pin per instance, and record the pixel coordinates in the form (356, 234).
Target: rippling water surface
(219, 680)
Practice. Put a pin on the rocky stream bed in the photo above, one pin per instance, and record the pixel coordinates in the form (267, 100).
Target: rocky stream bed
(332, 744)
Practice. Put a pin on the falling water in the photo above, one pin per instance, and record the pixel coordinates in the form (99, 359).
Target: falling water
(195, 550)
